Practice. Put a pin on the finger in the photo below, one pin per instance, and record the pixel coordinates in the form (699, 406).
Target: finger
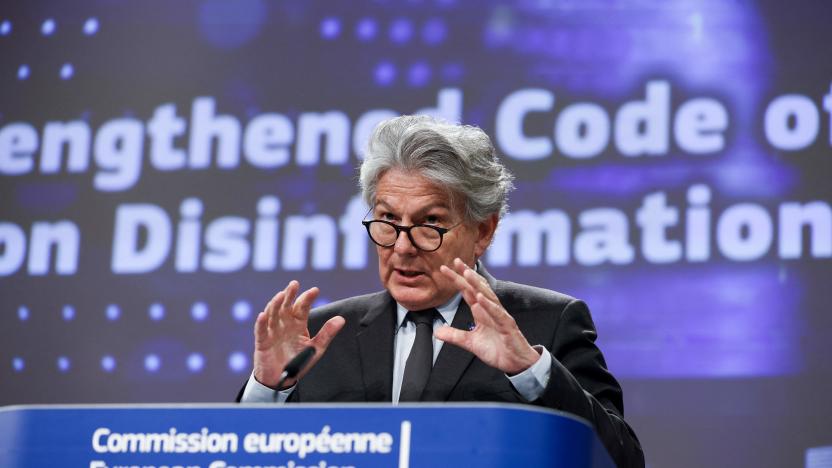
(283, 316)
(261, 327)
(327, 333)
(460, 283)
(291, 292)
(303, 304)
(492, 315)
(477, 281)
(478, 285)
(481, 317)
(492, 308)
(474, 280)
(322, 340)
(453, 336)
(273, 309)
(459, 266)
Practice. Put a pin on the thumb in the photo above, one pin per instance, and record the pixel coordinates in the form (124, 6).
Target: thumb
(327, 333)
(453, 336)
(322, 341)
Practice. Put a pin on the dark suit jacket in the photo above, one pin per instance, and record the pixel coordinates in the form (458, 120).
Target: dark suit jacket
(358, 366)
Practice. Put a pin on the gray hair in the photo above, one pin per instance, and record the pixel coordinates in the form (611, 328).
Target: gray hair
(458, 157)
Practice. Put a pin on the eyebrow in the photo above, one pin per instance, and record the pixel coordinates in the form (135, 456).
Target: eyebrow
(419, 212)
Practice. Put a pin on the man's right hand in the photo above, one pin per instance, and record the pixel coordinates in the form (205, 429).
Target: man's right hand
(281, 332)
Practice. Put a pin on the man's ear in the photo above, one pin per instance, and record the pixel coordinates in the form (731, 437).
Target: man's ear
(485, 232)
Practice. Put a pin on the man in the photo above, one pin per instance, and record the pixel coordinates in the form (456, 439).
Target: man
(443, 329)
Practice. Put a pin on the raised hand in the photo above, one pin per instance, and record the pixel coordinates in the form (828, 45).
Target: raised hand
(281, 332)
(495, 340)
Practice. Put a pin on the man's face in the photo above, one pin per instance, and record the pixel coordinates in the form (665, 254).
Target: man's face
(411, 275)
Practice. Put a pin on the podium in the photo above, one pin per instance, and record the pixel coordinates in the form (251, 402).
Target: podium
(296, 436)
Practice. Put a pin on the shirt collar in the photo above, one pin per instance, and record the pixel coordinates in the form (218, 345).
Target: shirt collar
(446, 310)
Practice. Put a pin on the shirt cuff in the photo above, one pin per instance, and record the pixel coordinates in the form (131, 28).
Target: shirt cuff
(531, 382)
(256, 392)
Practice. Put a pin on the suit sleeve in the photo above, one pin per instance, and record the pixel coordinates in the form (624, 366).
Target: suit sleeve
(581, 384)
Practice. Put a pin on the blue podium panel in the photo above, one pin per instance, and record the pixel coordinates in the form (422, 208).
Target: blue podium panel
(295, 436)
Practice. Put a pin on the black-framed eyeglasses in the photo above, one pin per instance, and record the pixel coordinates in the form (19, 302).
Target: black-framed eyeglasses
(423, 236)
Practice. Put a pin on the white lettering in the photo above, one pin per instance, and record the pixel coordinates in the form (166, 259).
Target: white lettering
(266, 141)
(320, 230)
(306, 443)
(448, 106)
(794, 217)
(12, 248)
(66, 238)
(333, 127)
(228, 248)
(266, 234)
(118, 150)
(604, 238)
(18, 142)
(641, 127)
(791, 122)
(582, 130)
(205, 127)
(698, 224)
(744, 232)
(163, 128)
(188, 236)
(655, 217)
(364, 128)
(173, 441)
(509, 127)
(699, 126)
(356, 241)
(76, 135)
(530, 229)
(128, 255)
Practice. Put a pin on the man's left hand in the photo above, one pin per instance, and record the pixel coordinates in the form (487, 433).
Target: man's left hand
(495, 340)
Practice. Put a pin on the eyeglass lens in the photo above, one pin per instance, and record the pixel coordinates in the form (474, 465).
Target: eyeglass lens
(425, 238)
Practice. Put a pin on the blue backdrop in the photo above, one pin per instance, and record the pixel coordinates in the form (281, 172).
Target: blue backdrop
(166, 168)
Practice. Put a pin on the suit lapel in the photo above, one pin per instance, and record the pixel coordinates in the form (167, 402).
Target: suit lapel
(375, 344)
(451, 362)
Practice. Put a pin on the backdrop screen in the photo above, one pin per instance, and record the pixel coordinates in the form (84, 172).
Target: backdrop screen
(166, 167)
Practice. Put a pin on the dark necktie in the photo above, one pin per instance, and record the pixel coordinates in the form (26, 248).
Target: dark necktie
(420, 361)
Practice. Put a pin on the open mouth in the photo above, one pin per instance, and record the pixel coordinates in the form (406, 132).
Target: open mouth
(409, 273)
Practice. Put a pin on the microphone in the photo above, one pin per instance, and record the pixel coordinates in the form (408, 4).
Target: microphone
(296, 365)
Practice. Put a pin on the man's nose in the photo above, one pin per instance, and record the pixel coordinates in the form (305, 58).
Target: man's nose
(403, 244)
